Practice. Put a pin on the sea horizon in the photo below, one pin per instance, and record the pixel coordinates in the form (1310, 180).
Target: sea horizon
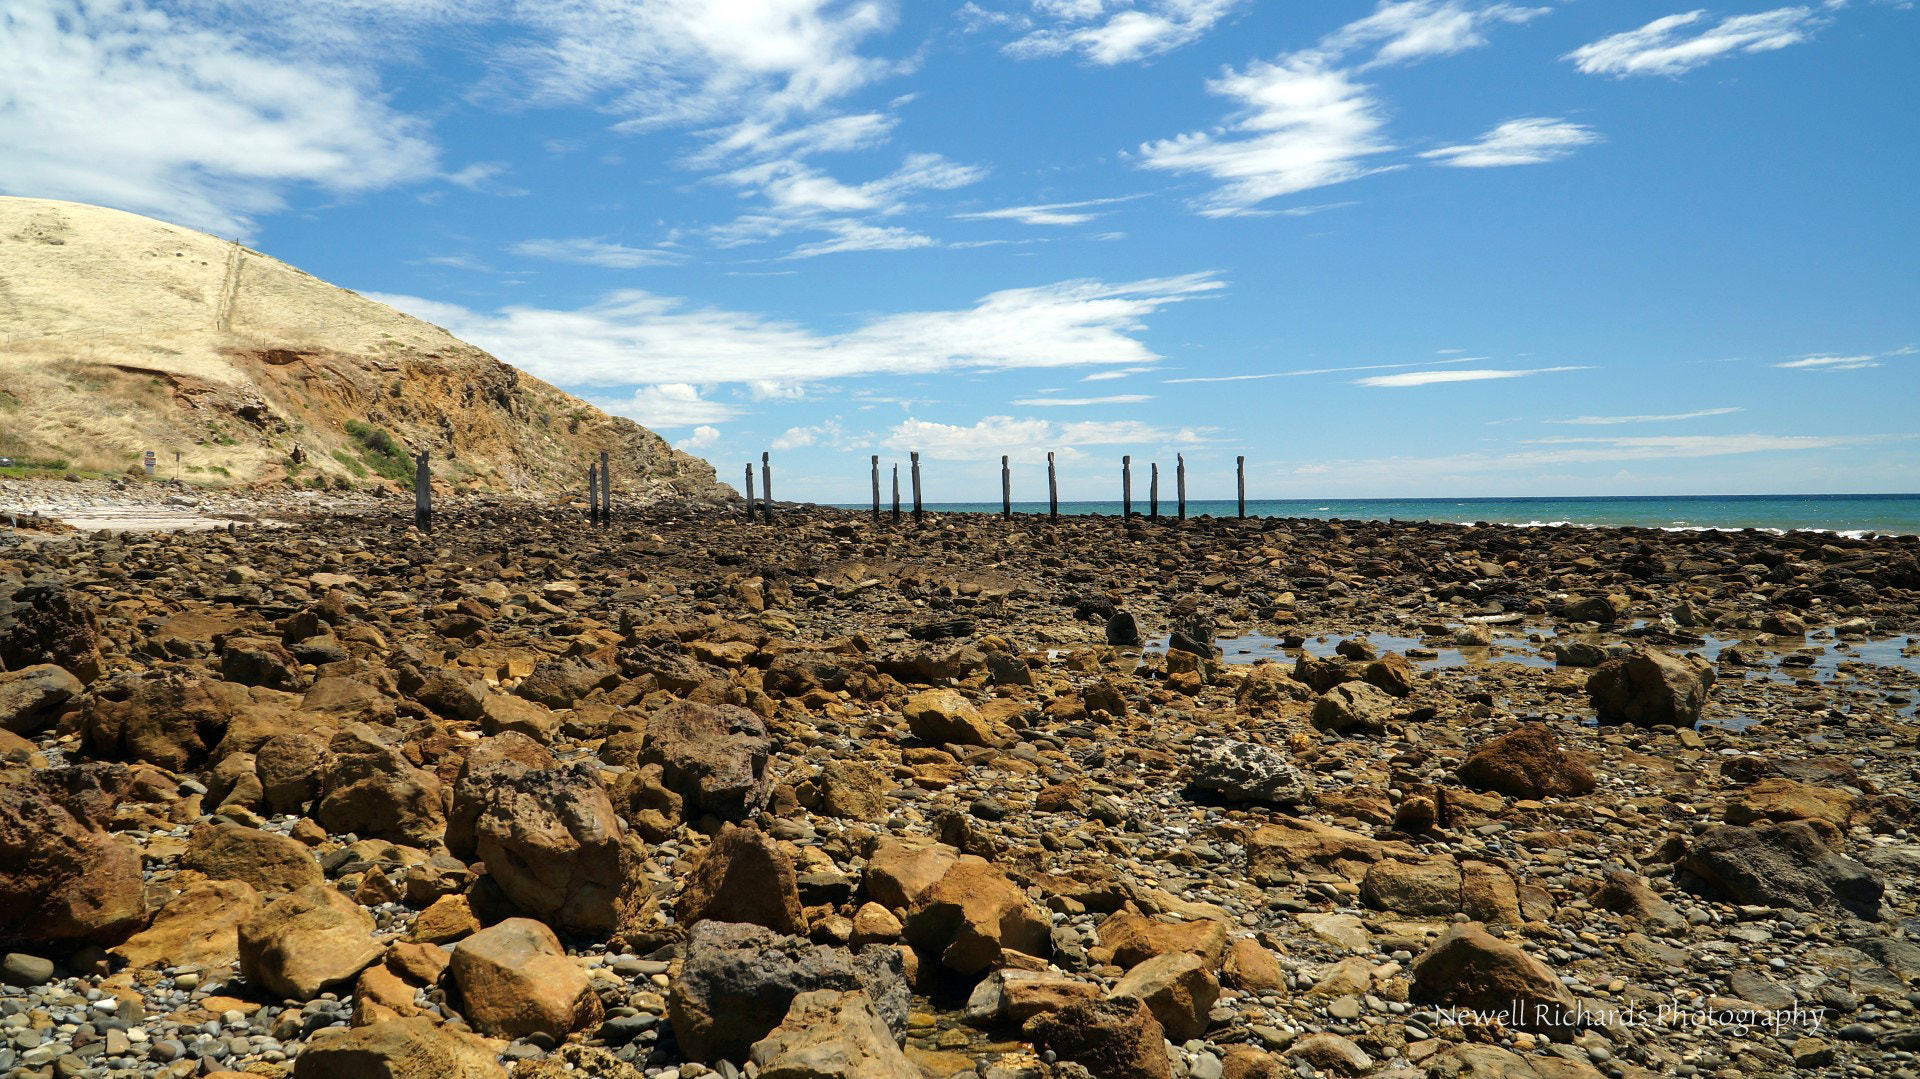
(1839, 514)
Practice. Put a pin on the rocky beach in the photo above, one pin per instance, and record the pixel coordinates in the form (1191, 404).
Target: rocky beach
(308, 792)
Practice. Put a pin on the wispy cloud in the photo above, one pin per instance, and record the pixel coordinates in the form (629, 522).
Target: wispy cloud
(1053, 213)
(668, 405)
(1668, 46)
(703, 436)
(1081, 402)
(1655, 447)
(1833, 363)
(1124, 372)
(1429, 378)
(1317, 371)
(1006, 434)
(597, 253)
(147, 111)
(802, 198)
(1106, 31)
(1530, 141)
(1414, 29)
(1675, 417)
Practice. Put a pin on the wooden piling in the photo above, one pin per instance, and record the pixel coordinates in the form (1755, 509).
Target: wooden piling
(1153, 493)
(593, 493)
(1053, 491)
(876, 488)
(1006, 489)
(917, 512)
(766, 486)
(1180, 483)
(422, 495)
(750, 506)
(896, 493)
(1126, 487)
(606, 490)
(1240, 483)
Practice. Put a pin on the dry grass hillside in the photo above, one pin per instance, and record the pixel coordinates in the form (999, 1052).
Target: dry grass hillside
(121, 334)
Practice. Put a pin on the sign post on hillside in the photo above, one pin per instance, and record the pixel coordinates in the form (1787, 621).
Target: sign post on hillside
(422, 494)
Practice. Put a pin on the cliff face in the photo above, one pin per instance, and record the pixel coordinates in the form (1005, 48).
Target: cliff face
(120, 334)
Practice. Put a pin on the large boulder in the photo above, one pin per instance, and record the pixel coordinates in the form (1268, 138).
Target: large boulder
(1286, 846)
(1648, 687)
(1177, 988)
(257, 661)
(1781, 865)
(395, 1049)
(1128, 938)
(553, 843)
(375, 792)
(172, 718)
(558, 683)
(199, 929)
(1111, 1039)
(490, 762)
(517, 980)
(944, 717)
(308, 942)
(64, 880)
(268, 862)
(737, 982)
(743, 876)
(713, 756)
(1247, 772)
(1011, 997)
(1426, 889)
(955, 907)
(1779, 800)
(291, 767)
(30, 699)
(46, 621)
(831, 1034)
(1526, 763)
(1469, 968)
(1353, 708)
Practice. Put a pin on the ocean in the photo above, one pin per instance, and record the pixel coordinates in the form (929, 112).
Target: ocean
(1844, 514)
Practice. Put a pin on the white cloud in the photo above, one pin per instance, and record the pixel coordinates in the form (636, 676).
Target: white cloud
(1081, 402)
(828, 433)
(1665, 47)
(670, 404)
(1531, 141)
(1428, 378)
(1054, 213)
(1414, 29)
(1602, 421)
(703, 436)
(1124, 372)
(1119, 32)
(596, 253)
(801, 198)
(1302, 125)
(1005, 434)
(1318, 371)
(1655, 447)
(111, 102)
(638, 338)
(1833, 363)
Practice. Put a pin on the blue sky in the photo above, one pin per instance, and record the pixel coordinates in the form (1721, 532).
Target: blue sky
(1417, 247)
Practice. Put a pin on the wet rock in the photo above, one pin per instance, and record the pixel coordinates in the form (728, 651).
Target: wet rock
(1579, 654)
(1177, 988)
(31, 698)
(1782, 865)
(1603, 610)
(1526, 763)
(1648, 687)
(1353, 708)
(553, 843)
(516, 980)
(944, 717)
(713, 756)
(64, 881)
(1247, 772)
(831, 1034)
(743, 876)
(1467, 968)
(396, 1049)
(1111, 1039)
(303, 944)
(1123, 630)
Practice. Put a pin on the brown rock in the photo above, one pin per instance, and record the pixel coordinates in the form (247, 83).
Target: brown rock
(303, 944)
(1276, 851)
(373, 791)
(1330, 1053)
(270, 863)
(743, 876)
(517, 980)
(171, 718)
(1467, 968)
(500, 714)
(1177, 988)
(379, 994)
(290, 768)
(445, 920)
(832, 1034)
(1779, 800)
(1526, 763)
(199, 929)
(489, 762)
(1647, 688)
(971, 915)
(944, 717)
(1489, 894)
(395, 1049)
(63, 879)
(713, 756)
(46, 621)
(1128, 938)
(553, 843)
(1429, 888)
(1011, 997)
(1253, 968)
(1391, 674)
(853, 790)
(1112, 1039)
(1353, 708)
(30, 699)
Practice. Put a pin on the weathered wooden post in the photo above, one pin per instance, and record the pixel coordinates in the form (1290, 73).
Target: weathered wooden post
(606, 490)
(1006, 489)
(1240, 482)
(915, 455)
(750, 507)
(422, 494)
(876, 488)
(766, 486)
(1053, 491)
(1180, 482)
(593, 493)
(1126, 487)
(896, 493)
(1153, 493)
